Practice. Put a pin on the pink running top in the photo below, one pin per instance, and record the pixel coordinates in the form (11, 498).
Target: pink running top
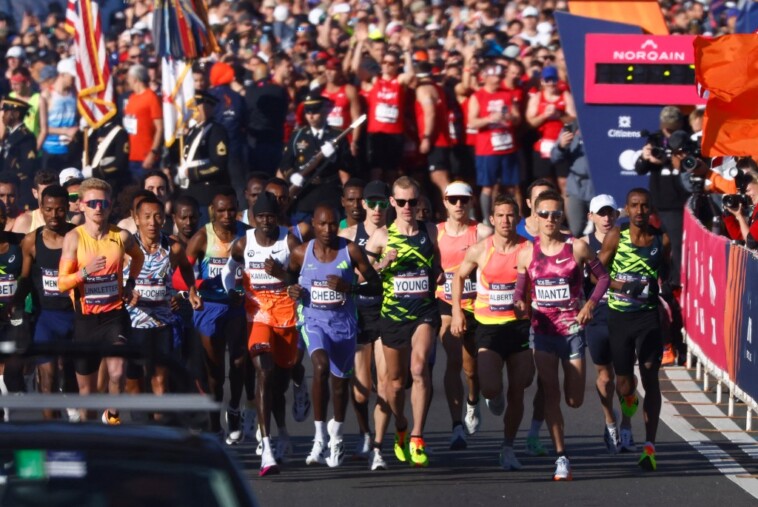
(556, 290)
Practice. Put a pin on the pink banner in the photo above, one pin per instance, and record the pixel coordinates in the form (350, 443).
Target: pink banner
(704, 285)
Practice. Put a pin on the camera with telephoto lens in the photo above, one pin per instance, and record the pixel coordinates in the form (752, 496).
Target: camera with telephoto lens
(658, 149)
(734, 201)
(692, 156)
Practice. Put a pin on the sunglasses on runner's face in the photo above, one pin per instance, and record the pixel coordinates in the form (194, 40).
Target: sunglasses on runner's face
(372, 204)
(95, 203)
(464, 200)
(402, 202)
(543, 213)
(73, 198)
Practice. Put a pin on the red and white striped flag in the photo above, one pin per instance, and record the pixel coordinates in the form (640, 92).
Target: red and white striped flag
(93, 75)
(178, 90)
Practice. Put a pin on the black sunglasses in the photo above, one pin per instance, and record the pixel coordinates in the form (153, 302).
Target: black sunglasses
(543, 213)
(464, 200)
(73, 198)
(402, 202)
(381, 204)
(94, 203)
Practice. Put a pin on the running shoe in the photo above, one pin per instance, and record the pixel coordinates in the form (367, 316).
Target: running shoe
(336, 452)
(418, 456)
(233, 427)
(562, 469)
(249, 422)
(317, 454)
(301, 406)
(259, 438)
(376, 461)
(669, 355)
(534, 447)
(458, 439)
(472, 420)
(496, 405)
(647, 460)
(626, 439)
(268, 464)
(629, 404)
(283, 448)
(611, 439)
(402, 452)
(508, 460)
(73, 415)
(363, 448)
(110, 419)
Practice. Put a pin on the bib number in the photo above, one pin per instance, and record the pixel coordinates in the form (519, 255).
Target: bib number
(130, 125)
(324, 298)
(50, 283)
(100, 290)
(502, 141)
(552, 293)
(387, 113)
(411, 286)
(501, 297)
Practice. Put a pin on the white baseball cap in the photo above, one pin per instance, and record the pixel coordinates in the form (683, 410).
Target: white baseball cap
(530, 11)
(16, 52)
(72, 173)
(67, 66)
(459, 188)
(602, 201)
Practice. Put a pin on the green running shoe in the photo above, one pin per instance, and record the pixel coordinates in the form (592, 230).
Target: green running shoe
(647, 460)
(417, 448)
(534, 447)
(629, 404)
(402, 452)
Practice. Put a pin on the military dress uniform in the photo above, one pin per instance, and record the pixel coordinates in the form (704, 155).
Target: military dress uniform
(107, 155)
(19, 152)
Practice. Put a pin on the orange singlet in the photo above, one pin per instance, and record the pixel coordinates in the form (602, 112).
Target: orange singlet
(496, 283)
(100, 291)
(452, 251)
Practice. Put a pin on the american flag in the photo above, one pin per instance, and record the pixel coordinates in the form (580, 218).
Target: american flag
(93, 76)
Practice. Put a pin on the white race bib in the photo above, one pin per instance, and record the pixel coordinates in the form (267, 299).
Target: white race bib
(546, 147)
(387, 113)
(335, 118)
(260, 280)
(411, 286)
(501, 297)
(151, 290)
(130, 125)
(324, 298)
(502, 141)
(99, 290)
(50, 283)
(552, 292)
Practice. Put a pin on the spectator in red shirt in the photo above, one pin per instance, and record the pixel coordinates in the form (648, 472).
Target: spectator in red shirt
(740, 226)
(143, 121)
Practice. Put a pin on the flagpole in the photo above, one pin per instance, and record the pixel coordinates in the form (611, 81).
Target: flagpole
(85, 162)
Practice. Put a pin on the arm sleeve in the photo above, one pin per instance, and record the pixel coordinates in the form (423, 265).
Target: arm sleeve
(68, 275)
(518, 293)
(603, 280)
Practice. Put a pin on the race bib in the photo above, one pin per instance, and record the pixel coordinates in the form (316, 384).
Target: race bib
(501, 297)
(502, 141)
(551, 292)
(260, 280)
(216, 264)
(130, 125)
(634, 277)
(151, 290)
(387, 113)
(335, 118)
(101, 290)
(50, 283)
(469, 288)
(8, 285)
(324, 298)
(411, 285)
(546, 147)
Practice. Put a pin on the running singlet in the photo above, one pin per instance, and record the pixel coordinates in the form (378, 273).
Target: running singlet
(361, 238)
(153, 286)
(10, 268)
(441, 131)
(266, 299)
(407, 284)
(636, 263)
(216, 255)
(556, 290)
(452, 251)
(386, 102)
(320, 302)
(339, 115)
(494, 138)
(551, 129)
(100, 291)
(496, 283)
(45, 276)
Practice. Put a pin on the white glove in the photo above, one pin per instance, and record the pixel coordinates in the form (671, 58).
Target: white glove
(181, 171)
(328, 149)
(87, 171)
(297, 179)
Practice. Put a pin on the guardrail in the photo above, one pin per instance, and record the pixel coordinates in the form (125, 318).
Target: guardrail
(719, 303)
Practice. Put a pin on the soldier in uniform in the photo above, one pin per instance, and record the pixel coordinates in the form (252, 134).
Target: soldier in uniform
(107, 155)
(19, 155)
(324, 184)
(203, 163)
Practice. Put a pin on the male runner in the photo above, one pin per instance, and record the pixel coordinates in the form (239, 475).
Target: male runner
(638, 255)
(553, 267)
(41, 257)
(502, 332)
(256, 182)
(264, 255)
(326, 266)
(352, 197)
(409, 318)
(221, 321)
(91, 268)
(454, 237)
(603, 214)
(186, 214)
(31, 220)
(375, 202)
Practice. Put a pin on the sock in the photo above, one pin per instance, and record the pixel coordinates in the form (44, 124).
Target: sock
(337, 430)
(4, 392)
(376, 445)
(472, 403)
(320, 431)
(485, 201)
(534, 429)
(266, 444)
(562, 455)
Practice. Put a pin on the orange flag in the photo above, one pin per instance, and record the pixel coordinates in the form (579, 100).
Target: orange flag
(727, 67)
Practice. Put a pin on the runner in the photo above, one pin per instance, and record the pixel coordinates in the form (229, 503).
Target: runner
(41, 257)
(603, 214)
(264, 254)
(502, 332)
(221, 321)
(409, 319)
(31, 220)
(186, 215)
(253, 188)
(352, 199)
(553, 266)
(151, 318)
(375, 202)
(91, 270)
(638, 256)
(326, 266)
(454, 237)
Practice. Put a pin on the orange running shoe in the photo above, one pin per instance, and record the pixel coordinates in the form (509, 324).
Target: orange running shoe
(669, 356)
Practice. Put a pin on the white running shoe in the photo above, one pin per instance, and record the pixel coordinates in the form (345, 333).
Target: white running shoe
(472, 420)
(627, 440)
(562, 469)
(317, 454)
(458, 439)
(611, 439)
(233, 427)
(283, 448)
(336, 446)
(74, 415)
(376, 461)
(259, 438)
(496, 405)
(508, 460)
(249, 422)
(268, 464)
(301, 405)
(363, 448)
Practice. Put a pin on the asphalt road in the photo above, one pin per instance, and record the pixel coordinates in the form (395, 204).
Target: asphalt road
(473, 476)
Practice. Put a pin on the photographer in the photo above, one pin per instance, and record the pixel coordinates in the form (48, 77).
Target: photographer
(579, 188)
(740, 216)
